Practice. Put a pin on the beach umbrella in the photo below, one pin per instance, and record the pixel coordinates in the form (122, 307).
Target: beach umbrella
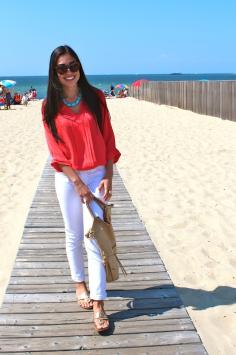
(138, 83)
(121, 86)
(8, 83)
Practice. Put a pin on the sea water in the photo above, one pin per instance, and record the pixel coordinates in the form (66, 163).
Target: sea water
(103, 82)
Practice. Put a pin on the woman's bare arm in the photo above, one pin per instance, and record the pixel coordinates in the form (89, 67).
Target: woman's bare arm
(82, 189)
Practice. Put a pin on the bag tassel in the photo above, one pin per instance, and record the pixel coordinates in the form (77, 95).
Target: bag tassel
(121, 266)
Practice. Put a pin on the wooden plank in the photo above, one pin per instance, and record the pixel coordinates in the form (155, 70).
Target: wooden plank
(40, 330)
(67, 279)
(179, 349)
(183, 349)
(43, 256)
(158, 292)
(112, 304)
(45, 243)
(40, 313)
(120, 285)
(81, 317)
(51, 248)
(57, 272)
(87, 342)
(63, 264)
(51, 234)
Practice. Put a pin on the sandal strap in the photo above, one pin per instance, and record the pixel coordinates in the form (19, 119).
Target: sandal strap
(84, 297)
(100, 315)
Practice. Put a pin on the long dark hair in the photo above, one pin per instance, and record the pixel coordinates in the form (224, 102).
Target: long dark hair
(54, 92)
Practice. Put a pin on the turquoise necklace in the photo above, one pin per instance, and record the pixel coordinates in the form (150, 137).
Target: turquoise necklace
(72, 103)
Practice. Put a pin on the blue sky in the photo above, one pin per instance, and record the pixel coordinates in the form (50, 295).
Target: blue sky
(120, 36)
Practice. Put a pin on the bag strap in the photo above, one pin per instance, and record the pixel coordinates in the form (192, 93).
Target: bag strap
(100, 203)
(121, 266)
(90, 210)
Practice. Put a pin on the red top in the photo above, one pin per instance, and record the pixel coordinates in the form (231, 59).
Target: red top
(84, 147)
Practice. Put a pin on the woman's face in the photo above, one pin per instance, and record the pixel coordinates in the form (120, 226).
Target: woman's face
(67, 70)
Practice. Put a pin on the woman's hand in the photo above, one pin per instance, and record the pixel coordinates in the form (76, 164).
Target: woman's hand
(106, 183)
(106, 186)
(84, 192)
(82, 189)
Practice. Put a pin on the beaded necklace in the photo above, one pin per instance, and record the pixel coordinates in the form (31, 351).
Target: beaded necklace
(72, 103)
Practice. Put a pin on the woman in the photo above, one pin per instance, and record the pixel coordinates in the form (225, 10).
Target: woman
(82, 145)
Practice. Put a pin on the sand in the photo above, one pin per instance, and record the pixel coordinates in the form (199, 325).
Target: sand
(23, 153)
(179, 168)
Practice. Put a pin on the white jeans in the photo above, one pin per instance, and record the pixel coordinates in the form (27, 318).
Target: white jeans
(78, 220)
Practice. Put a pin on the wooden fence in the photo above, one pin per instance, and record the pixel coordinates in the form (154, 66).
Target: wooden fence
(214, 98)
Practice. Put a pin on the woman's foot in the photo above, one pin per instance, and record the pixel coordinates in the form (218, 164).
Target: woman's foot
(101, 321)
(83, 296)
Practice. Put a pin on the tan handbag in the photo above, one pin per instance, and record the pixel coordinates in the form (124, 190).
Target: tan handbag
(103, 232)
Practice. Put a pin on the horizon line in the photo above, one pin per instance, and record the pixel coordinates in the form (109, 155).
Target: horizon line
(173, 73)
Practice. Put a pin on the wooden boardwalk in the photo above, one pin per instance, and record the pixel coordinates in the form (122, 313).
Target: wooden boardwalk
(40, 314)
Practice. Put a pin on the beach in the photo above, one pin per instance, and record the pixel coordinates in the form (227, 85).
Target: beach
(179, 168)
(23, 153)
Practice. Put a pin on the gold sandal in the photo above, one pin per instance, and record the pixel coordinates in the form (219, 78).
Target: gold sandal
(84, 296)
(99, 318)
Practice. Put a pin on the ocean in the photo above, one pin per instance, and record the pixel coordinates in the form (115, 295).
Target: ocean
(103, 82)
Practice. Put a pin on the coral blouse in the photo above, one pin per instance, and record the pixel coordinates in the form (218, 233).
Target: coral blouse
(84, 146)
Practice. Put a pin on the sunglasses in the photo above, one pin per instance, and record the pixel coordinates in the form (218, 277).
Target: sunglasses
(63, 68)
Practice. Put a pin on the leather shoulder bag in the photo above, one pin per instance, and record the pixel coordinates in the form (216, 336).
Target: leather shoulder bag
(102, 231)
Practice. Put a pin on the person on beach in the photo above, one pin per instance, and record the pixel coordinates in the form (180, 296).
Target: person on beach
(81, 142)
(112, 90)
(8, 100)
(25, 99)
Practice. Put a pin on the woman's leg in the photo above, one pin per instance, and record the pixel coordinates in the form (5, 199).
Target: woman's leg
(96, 269)
(72, 212)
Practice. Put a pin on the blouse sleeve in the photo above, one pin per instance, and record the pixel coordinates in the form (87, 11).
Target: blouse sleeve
(57, 149)
(112, 153)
